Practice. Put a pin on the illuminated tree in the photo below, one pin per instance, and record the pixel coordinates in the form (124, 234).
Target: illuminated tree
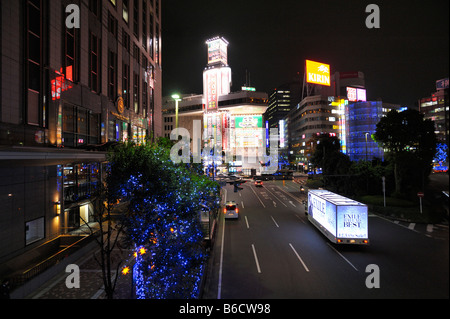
(163, 218)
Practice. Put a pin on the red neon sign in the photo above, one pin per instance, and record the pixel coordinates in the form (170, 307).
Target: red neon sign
(62, 82)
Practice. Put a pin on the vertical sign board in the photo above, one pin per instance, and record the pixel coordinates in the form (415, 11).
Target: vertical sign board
(317, 73)
(211, 89)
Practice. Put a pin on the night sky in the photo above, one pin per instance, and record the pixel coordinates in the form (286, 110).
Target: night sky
(401, 60)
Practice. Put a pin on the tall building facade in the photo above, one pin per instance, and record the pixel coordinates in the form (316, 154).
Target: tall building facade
(75, 75)
(435, 108)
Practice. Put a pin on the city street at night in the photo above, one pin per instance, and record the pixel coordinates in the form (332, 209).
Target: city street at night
(273, 251)
(221, 157)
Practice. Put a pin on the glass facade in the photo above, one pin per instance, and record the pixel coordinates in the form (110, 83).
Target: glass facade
(361, 123)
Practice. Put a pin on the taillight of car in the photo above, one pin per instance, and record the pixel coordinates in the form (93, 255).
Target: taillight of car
(237, 210)
(224, 210)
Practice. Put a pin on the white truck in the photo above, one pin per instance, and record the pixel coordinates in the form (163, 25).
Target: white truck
(340, 219)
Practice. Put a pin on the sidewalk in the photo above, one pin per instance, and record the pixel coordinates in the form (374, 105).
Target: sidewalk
(91, 283)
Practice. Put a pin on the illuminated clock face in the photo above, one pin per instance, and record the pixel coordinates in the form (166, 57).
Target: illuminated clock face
(120, 105)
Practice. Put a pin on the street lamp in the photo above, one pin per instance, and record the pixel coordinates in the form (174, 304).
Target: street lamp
(176, 97)
(366, 133)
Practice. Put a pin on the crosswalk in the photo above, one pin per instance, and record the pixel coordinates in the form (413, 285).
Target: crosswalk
(436, 231)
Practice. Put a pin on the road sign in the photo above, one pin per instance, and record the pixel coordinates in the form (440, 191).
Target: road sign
(420, 195)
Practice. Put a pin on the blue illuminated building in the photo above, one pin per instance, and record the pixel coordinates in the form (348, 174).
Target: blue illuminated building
(361, 123)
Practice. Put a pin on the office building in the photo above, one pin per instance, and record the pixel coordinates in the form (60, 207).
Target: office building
(75, 75)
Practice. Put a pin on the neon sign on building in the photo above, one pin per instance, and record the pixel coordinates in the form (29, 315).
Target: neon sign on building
(61, 83)
(317, 73)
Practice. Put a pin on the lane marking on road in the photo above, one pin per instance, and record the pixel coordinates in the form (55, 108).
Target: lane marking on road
(219, 286)
(274, 221)
(258, 197)
(274, 204)
(287, 193)
(296, 215)
(299, 258)
(411, 226)
(276, 197)
(246, 222)
(343, 257)
(242, 202)
(292, 203)
(256, 259)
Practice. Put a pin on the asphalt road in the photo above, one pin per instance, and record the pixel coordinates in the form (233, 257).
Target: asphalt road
(273, 252)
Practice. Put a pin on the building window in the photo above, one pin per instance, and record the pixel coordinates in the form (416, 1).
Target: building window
(80, 181)
(126, 85)
(125, 40)
(136, 92)
(125, 5)
(112, 75)
(112, 24)
(94, 7)
(94, 65)
(144, 98)
(157, 44)
(150, 39)
(34, 61)
(144, 24)
(136, 18)
(71, 40)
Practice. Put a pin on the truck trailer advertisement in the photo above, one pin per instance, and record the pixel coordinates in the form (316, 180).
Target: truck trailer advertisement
(341, 219)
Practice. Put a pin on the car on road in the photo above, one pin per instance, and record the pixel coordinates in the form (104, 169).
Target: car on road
(231, 210)
(258, 183)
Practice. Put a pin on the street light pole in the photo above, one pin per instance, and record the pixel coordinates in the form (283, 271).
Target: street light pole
(176, 97)
(366, 144)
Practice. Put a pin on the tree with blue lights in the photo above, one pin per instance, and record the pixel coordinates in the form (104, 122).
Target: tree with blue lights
(163, 219)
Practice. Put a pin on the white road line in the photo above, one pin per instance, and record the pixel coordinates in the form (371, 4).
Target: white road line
(242, 203)
(274, 221)
(292, 203)
(246, 221)
(276, 197)
(411, 226)
(256, 259)
(287, 193)
(299, 258)
(219, 286)
(343, 257)
(258, 197)
(274, 204)
(301, 219)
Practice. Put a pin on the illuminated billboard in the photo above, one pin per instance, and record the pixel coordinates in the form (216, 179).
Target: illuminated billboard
(317, 73)
(216, 82)
(217, 50)
(352, 221)
(341, 217)
(356, 94)
(248, 131)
